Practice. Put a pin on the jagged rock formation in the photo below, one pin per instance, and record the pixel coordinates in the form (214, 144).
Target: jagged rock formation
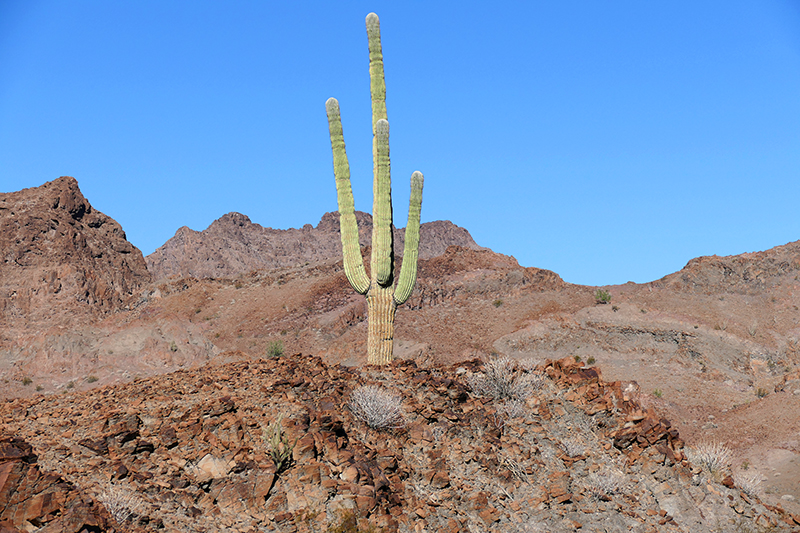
(233, 245)
(61, 257)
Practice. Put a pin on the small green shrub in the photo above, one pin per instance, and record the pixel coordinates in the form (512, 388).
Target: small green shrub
(657, 393)
(498, 302)
(26, 381)
(278, 445)
(761, 392)
(39, 388)
(71, 385)
(602, 296)
(591, 360)
(91, 379)
(173, 347)
(275, 349)
(577, 358)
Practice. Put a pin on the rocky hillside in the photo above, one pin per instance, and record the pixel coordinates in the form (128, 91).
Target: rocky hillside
(62, 258)
(560, 450)
(750, 273)
(233, 245)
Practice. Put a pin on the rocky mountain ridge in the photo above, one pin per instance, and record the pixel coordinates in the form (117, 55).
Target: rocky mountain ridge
(232, 245)
(61, 257)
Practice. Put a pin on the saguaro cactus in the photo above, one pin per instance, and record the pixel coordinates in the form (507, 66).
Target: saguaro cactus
(382, 296)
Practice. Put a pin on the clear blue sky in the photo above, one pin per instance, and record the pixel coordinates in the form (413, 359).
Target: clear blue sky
(607, 141)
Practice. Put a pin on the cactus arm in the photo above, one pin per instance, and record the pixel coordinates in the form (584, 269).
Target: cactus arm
(382, 238)
(351, 250)
(377, 84)
(408, 272)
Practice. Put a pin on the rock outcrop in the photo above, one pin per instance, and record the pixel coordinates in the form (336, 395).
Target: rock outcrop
(749, 273)
(61, 258)
(233, 245)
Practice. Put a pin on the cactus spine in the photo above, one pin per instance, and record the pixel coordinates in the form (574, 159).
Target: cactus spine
(382, 296)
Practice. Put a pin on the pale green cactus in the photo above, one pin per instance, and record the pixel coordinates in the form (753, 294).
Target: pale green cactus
(382, 296)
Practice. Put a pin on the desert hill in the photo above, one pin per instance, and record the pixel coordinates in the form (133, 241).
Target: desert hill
(62, 257)
(233, 245)
(187, 451)
(712, 348)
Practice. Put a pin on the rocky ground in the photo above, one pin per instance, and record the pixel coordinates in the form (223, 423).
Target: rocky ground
(187, 451)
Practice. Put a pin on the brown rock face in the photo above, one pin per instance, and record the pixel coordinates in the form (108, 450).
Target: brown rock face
(750, 273)
(233, 245)
(30, 496)
(61, 257)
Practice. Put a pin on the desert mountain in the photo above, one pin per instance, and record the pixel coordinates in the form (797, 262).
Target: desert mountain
(233, 245)
(62, 257)
(713, 348)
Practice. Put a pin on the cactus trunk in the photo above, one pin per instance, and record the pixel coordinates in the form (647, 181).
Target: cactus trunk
(380, 325)
(382, 297)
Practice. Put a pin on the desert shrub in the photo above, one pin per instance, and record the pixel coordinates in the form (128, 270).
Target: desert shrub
(120, 503)
(749, 483)
(606, 483)
(275, 349)
(602, 296)
(377, 407)
(26, 380)
(91, 379)
(713, 457)
(173, 347)
(71, 385)
(591, 360)
(573, 448)
(513, 408)
(498, 302)
(278, 446)
(39, 388)
(502, 380)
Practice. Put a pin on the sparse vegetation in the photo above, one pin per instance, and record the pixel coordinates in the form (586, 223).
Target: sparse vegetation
(658, 393)
(498, 302)
(26, 381)
(749, 483)
(713, 457)
(573, 447)
(761, 392)
(71, 385)
(591, 360)
(605, 483)
(91, 379)
(503, 380)
(278, 446)
(122, 504)
(39, 388)
(275, 349)
(615, 308)
(577, 358)
(602, 296)
(377, 407)
(173, 346)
